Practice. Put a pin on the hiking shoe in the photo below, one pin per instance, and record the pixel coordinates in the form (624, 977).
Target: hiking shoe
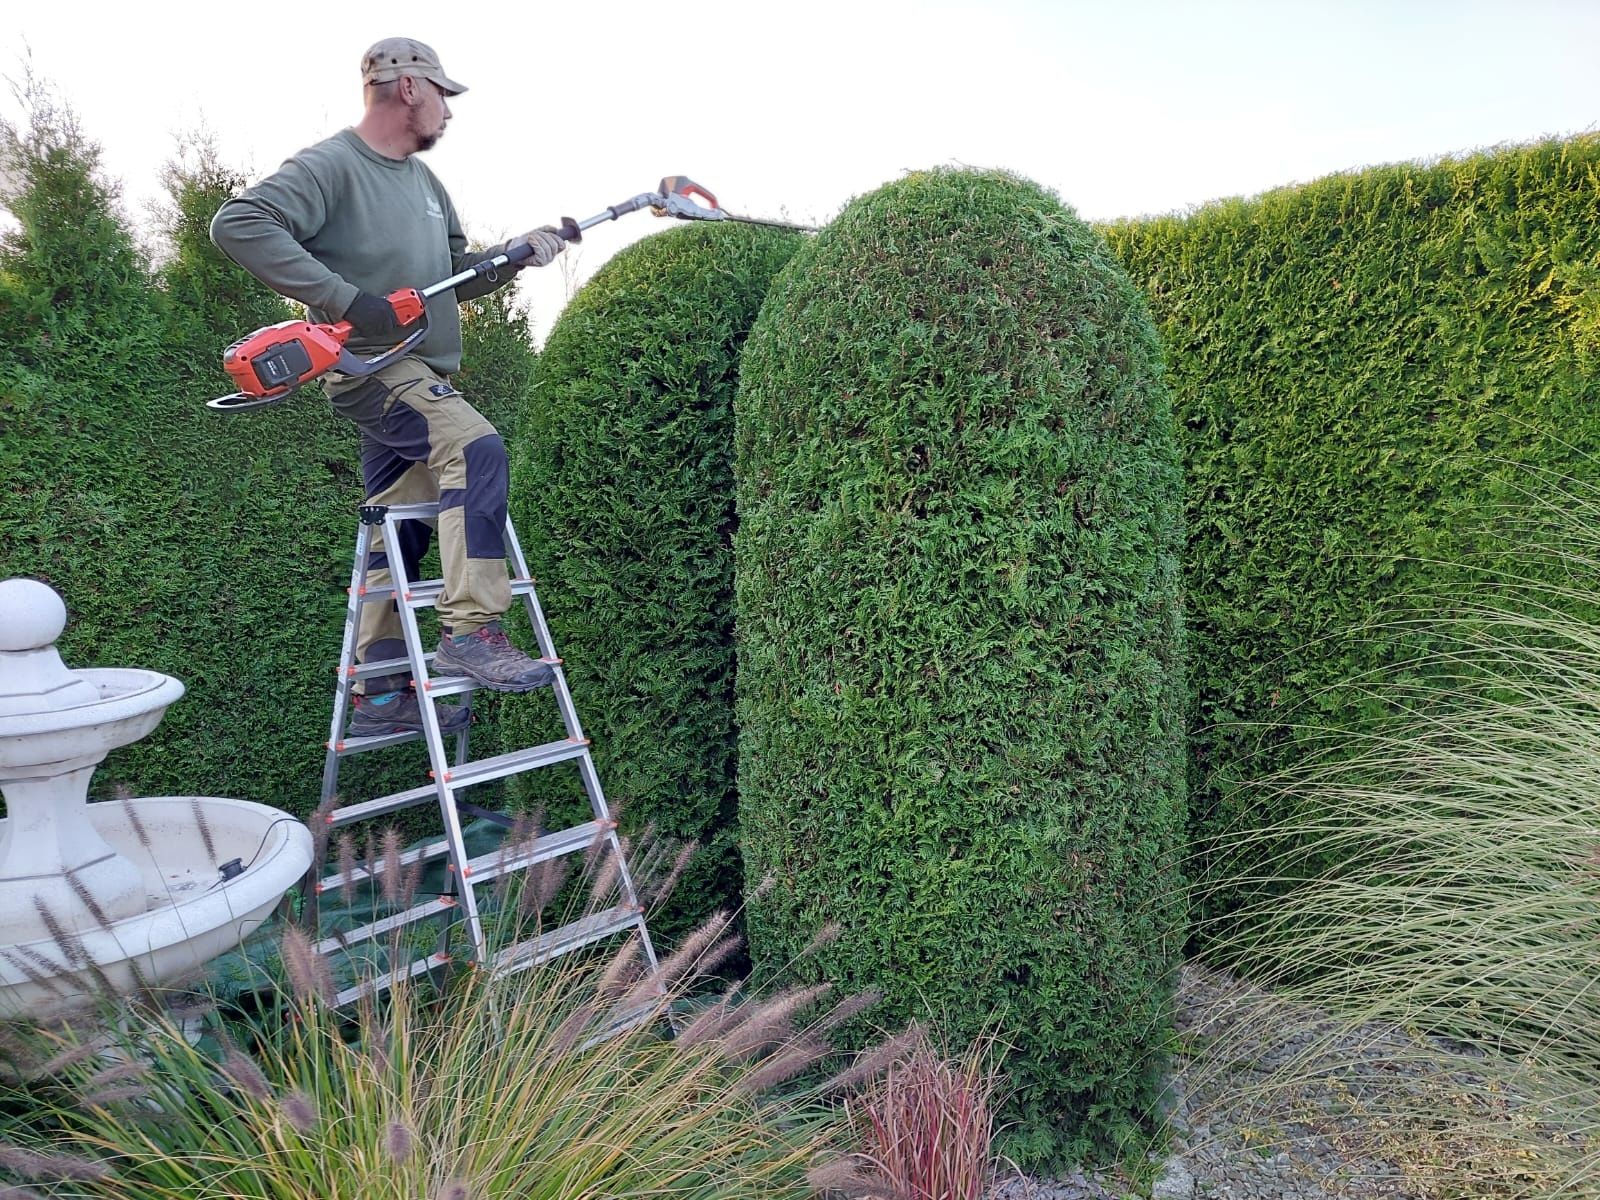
(488, 658)
(402, 714)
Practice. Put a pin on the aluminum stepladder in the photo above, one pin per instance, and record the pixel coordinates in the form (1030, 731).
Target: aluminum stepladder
(448, 777)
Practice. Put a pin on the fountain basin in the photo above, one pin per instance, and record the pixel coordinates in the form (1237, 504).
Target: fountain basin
(127, 704)
(178, 845)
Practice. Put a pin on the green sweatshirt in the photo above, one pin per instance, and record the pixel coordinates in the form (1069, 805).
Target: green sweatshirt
(338, 217)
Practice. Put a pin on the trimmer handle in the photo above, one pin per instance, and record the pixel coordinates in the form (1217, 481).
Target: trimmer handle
(682, 185)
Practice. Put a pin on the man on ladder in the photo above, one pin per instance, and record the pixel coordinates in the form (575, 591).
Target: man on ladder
(338, 227)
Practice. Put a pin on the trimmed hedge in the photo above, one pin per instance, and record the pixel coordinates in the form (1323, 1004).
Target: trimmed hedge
(622, 488)
(212, 547)
(1368, 370)
(960, 683)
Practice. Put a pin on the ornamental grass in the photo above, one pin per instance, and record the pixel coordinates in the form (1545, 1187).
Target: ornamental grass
(592, 1075)
(1437, 895)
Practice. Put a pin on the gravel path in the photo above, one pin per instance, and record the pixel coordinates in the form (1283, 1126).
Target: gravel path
(1273, 1102)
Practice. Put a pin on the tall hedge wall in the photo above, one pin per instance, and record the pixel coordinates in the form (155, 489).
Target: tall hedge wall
(622, 486)
(214, 547)
(960, 684)
(1366, 370)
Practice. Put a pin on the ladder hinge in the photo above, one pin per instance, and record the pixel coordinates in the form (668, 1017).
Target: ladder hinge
(373, 514)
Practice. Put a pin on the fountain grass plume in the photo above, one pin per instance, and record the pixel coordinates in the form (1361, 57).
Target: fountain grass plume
(392, 868)
(771, 1022)
(307, 971)
(850, 1179)
(623, 969)
(37, 969)
(202, 824)
(544, 883)
(86, 898)
(606, 874)
(797, 1054)
(660, 892)
(44, 1167)
(347, 862)
(1433, 889)
(399, 1141)
(872, 1061)
(130, 811)
(300, 1110)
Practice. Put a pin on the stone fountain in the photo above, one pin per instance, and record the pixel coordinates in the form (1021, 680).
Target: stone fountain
(118, 895)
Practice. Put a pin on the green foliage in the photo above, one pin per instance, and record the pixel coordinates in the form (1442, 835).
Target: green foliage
(1360, 367)
(73, 286)
(496, 354)
(213, 300)
(622, 487)
(210, 546)
(960, 685)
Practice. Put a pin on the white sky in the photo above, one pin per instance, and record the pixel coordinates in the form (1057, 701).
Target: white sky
(1124, 108)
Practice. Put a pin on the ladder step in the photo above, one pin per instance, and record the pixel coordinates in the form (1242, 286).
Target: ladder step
(438, 687)
(433, 907)
(425, 593)
(514, 762)
(583, 932)
(551, 845)
(466, 775)
(486, 866)
(423, 853)
(360, 745)
(383, 982)
(385, 666)
(420, 510)
(454, 685)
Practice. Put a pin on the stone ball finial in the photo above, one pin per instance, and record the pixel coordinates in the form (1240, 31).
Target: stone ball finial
(32, 615)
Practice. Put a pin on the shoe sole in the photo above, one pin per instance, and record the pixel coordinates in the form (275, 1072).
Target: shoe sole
(496, 685)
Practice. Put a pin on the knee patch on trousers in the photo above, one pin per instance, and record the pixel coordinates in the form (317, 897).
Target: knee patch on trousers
(483, 500)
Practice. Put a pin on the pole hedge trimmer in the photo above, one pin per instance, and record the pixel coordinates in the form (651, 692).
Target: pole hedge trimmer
(272, 363)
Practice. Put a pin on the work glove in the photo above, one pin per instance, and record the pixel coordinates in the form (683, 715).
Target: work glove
(374, 317)
(546, 245)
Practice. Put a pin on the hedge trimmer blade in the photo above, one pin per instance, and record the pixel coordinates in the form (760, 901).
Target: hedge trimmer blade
(675, 199)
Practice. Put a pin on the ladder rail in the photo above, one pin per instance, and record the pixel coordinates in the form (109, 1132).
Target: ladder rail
(433, 738)
(569, 716)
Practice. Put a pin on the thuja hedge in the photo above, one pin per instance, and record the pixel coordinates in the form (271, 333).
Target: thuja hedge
(213, 547)
(960, 686)
(622, 487)
(1370, 373)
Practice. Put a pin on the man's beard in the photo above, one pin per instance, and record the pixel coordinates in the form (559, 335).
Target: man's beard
(425, 141)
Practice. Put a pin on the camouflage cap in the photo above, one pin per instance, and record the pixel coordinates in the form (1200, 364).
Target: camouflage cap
(394, 57)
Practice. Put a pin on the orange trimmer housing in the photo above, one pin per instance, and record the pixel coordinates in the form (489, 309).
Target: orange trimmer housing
(272, 362)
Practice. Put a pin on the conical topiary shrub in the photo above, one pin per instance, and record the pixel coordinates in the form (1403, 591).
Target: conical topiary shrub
(960, 672)
(622, 487)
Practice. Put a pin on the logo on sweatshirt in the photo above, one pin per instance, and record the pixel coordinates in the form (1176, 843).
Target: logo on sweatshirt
(434, 210)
